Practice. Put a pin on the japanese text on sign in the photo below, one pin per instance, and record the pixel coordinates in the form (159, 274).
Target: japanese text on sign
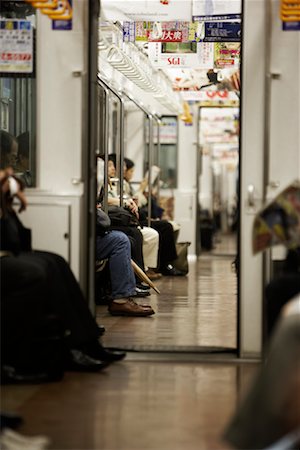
(16, 46)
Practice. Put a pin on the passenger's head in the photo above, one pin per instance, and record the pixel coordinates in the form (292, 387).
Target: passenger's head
(128, 169)
(112, 162)
(8, 150)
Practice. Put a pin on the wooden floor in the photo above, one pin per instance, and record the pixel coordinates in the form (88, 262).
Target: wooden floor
(151, 401)
(196, 312)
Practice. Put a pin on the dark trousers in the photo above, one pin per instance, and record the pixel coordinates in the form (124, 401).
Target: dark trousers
(36, 284)
(167, 248)
(278, 292)
(136, 242)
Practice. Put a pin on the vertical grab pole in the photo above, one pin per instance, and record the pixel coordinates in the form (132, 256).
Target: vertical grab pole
(106, 131)
(121, 155)
(150, 158)
(158, 121)
(106, 128)
(268, 87)
(121, 160)
(267, 256)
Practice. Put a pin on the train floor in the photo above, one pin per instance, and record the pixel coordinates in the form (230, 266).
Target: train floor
(193, 313)
(176, 389)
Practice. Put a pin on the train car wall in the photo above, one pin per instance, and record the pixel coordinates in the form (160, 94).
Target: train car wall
(61, 121)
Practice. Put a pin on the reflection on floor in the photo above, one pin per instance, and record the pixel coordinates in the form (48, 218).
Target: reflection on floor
(143, 403)
(134, 406)
(196, 312)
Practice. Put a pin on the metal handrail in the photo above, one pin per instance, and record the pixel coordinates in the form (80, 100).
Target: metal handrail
(121, 153)
(150, 148)
(105, 179)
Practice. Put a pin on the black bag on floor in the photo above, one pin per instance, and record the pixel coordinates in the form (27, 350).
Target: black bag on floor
(38, 356)
(181, 263)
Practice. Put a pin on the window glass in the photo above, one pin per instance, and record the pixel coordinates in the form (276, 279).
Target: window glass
(166, 157)
(18, 85)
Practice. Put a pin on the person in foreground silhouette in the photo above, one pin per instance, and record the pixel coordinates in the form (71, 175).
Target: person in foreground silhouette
(37, 283)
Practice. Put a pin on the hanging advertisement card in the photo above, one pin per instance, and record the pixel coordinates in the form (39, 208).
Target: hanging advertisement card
(172, 31)
(210, 96)
(128, 31)
(168, 130)
(174, 54)
(63, 24)
(16, 43)
(206, 54)
(166, 36)
(154, 10)
(291, 26)
(217, 17)
(226, 55)
(216, 7)
(222, 32)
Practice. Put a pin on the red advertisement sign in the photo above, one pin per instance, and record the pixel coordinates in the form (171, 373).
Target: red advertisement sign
(166, 36)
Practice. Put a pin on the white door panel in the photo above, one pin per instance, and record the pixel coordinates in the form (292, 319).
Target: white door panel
(50, 225)
(251, 172)
(185, 215)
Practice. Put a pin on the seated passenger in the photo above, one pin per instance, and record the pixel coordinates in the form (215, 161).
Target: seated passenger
(115, 246)
(145, 240)
(36, 284)
(167, 248)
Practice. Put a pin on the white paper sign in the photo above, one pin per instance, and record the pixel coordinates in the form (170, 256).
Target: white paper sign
(153, 10)
(16, 46)
(216, 7)
(175, 60)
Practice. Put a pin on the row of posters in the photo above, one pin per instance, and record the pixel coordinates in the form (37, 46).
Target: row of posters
(183, 32)
(205, 55)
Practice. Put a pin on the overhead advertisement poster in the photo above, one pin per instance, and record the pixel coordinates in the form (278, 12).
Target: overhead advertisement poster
(174, 54)
(290, 15)
(155, 10)
(63, 24)
(226, 55)
(16, 43)
(222, 32)
(210, 9)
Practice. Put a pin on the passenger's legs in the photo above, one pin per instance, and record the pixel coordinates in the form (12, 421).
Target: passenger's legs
(115, 246)
(150, 246)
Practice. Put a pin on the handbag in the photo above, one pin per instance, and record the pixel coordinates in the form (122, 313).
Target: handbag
(121, 217)
(181, 262)
(102, 222)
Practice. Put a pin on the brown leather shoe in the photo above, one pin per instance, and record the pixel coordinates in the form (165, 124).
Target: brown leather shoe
(129, 308)
(153, 275)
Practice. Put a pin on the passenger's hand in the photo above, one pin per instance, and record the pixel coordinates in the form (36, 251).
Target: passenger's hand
(11, 188)
(131, 205)
(23, 201)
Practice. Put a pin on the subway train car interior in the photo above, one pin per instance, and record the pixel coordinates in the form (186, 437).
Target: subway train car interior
(150, 224)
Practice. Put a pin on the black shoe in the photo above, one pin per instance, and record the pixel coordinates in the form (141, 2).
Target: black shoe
(141, 292)
(11, 421)
(81, 362)
(143, 287)
(101, 330)
(111, 355)
(169, 270)
(9, 375)
(96, 351)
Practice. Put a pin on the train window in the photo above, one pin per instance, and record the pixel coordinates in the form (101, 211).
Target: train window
(165, 154)
(18, 83)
